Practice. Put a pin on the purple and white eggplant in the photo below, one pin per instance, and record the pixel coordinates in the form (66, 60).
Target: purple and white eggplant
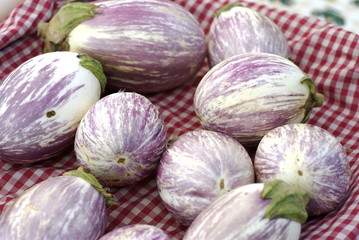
(308, 157)
(144, 45)
(72, 206)
(237, 29)
(136, 232)
(199, 167)
(271, 211)
(247, 95)
(120, 139)
(43, 101)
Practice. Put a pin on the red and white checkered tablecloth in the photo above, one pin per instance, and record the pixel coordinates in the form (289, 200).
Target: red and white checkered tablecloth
(329, 54)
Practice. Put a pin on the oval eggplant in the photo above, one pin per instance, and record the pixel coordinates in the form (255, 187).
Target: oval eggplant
(237, 29)
(199, 167)
(120, 139)
(144, 45)
(308, 157)
(247, 95)
(42, 103)
(63, 208)
(273, 211)
(136, 232)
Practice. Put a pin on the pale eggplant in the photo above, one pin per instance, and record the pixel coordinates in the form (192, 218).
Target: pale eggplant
(308, 157)
(237, 29)
(136, 232)
(199, 167)
(72, 206)
(43, 101)
(144, 45)
(247, 95)
(120, 139)
(273, 211)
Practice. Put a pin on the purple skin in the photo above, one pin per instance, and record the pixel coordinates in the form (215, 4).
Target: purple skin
(41, 105)
(247, 95)
(120, 139)
(242, 30)
(239, 215)
(65, 207)
(144, 46)
(199, 167)
(308, 157)
(136, 232)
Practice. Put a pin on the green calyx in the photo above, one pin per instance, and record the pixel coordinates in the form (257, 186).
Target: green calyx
(315, 99)
(172, 140)
(226, 8)
(286, 201)
(80, 172)
(69, 16)
(95, 67)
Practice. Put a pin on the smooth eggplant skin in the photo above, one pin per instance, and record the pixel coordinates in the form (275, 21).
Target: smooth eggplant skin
(238, 215)
(239, 29)
(308, 157)
(199, 167)
(247, 95)
(41, 105)
(62, 208)
(145, 46)
(120, 139)
(136, 232)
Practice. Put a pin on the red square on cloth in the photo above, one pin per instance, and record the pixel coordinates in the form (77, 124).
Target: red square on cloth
(327, 53)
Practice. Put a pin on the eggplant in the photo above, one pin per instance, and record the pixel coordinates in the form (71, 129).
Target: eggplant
(199, 167)
(236, 29)
(249, 94)
(43, 101)
(136, 232)
(271, 211)
(72, 206)
(310, 158)
(145, 46)
(120, 139)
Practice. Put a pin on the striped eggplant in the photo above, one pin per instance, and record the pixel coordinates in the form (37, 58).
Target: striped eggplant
(72, 206)
(42, 103)
(271, 211)
(120, 139)
(308, 157)
(237, 29)
(144, 45)
(136, 232)
(249, 94)
(199, 167)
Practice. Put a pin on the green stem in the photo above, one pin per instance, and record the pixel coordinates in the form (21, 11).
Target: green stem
(80, 172)
(315, 99)
(95, 67)
(69, 16)
(286, 201)
(226, 8)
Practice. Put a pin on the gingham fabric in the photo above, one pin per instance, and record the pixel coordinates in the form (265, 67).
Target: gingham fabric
(327, 53)
(343, 13)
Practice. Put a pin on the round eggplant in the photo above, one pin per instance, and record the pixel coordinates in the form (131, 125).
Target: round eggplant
(43, 101)
(199, 167)
(308, 157)
(272, 211)
(136, 232)
(237, 29)
(144, 45)
(247, 95)
(66, 207)
(120, 139)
